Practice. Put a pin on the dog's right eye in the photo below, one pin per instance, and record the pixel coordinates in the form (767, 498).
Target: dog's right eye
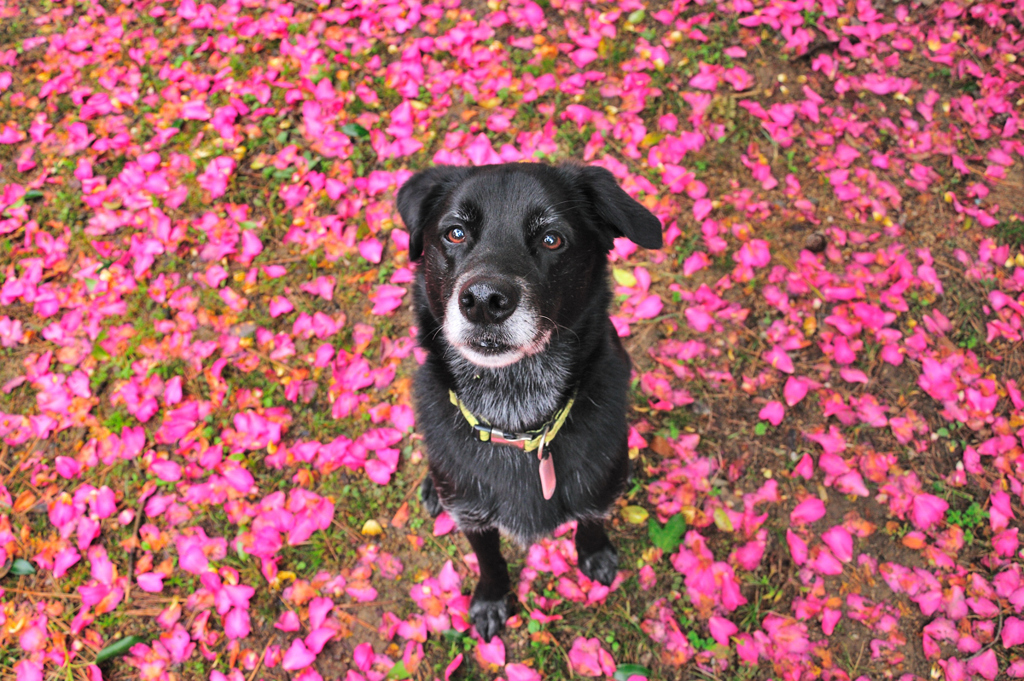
(455, 235)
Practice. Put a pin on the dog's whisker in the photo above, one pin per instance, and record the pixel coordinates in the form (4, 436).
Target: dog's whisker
(571, 203)
(558, 327)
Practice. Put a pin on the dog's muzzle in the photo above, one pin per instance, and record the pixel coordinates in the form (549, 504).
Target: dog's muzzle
(491, 322)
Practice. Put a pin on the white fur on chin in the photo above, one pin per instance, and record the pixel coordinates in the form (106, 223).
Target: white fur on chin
(506, 358)
(491, 361)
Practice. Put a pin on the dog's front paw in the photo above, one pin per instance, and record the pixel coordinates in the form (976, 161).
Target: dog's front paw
(428, 495)
(601, 566)
(489, 616)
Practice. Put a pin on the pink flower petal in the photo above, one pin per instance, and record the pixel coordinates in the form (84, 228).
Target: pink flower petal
(297, 657)
(853, 376)
(1006, 542)
(773, 412)
(795, 390)
(582, 57)
(829, 619)
(236, 624)
(586, 658)
(778, 358)
(371, 249)
(1013, 632)
(721, 629)
(928, 509)
(805, 469)
(26, 670)
(491, 653)
(288, 621)
(279, 305)
(520, 672)
(443, 524)
(840, 541)
(808, 511)
(984, 665)
(649, 307)
(452, 666)
(150, 582)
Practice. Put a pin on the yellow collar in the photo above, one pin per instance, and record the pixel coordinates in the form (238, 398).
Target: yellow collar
(528, 440)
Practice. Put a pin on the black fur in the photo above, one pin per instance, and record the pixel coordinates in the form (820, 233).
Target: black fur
(504, 212)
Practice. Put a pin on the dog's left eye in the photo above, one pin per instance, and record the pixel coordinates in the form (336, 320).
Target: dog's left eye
(552, 241)
(456, 235)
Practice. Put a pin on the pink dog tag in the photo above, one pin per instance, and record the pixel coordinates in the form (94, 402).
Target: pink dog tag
(547, 471)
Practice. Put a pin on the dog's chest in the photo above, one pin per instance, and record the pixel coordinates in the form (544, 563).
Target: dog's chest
(483, 484)
(500, 486)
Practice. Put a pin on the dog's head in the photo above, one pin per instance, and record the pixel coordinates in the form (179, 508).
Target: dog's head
(511, 253)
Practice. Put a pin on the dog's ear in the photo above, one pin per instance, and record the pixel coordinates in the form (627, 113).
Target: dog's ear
(418, 198)
(614, 207)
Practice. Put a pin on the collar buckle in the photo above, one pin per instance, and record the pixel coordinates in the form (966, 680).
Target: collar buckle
(500, 437)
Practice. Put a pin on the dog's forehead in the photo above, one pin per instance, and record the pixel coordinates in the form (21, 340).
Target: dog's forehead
(515, 196)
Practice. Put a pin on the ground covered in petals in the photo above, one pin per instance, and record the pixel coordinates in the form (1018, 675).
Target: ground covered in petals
(208, 465)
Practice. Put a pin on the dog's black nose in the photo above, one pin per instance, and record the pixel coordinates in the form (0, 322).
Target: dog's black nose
(488, 301)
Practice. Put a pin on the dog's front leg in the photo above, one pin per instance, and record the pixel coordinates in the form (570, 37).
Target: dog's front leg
(597, 557)
(490, 605)
(428, 495)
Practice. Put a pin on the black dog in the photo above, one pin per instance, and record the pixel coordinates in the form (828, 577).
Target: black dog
(522, 399)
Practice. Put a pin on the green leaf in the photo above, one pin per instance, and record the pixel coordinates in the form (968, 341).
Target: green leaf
(667, 538)
(33, 194)
(624, 277)
(117, 648)
(22, 567)
(399, 671)
(355, 130)
(635, 514)
(627, 670)
(722, 520)
(636, 17)
(760, 428)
